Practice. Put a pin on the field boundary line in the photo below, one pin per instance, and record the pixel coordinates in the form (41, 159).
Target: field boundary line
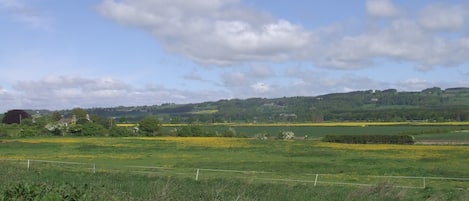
(331, 182)
(287, 180)
(398, 177)
(60, 162)
(407, 177)
(448, 178)
(235, 171)
(148, 167)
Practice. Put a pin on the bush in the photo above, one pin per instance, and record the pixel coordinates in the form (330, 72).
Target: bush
(120, 132)
(34, 191)
(370, 139)
(286, 135)
(87, 129)
(190, 131)
(230, 132)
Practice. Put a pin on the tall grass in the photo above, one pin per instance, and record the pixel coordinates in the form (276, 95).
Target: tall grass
(283, 159)
(47, 184)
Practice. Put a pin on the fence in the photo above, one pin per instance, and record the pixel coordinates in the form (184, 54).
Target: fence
(417, 182)
(63, 164)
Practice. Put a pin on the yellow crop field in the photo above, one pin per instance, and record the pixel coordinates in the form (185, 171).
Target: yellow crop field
(126, 125)
(332, 124)
(211, 142)
(380, 147)
(205, 112)
(399, 151)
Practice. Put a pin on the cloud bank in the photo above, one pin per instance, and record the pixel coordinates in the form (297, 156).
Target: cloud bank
(220, 33)
(65, 92)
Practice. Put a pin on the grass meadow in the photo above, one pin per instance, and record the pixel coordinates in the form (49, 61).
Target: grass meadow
(215, 168)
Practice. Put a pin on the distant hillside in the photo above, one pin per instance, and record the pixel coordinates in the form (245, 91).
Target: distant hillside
(433, 104)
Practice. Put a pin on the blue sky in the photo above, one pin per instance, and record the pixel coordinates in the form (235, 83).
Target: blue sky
(57, 54)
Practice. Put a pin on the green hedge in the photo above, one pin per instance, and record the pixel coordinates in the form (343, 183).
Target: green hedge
(370, 139)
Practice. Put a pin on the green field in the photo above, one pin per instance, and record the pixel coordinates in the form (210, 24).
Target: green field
(141, 168)
(419, 131)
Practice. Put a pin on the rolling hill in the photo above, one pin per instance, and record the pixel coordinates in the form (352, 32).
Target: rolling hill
(432, 104)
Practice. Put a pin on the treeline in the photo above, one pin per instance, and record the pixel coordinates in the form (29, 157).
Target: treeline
(18, 123)
(438, 114)
(432, 104)
(369, 139)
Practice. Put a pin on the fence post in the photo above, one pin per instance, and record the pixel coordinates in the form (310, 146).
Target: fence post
(94, 167)
(316, 179)
(197, 175)
(28, 164)
(424, 183)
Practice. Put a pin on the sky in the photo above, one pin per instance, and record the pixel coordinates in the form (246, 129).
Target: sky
(57, 54)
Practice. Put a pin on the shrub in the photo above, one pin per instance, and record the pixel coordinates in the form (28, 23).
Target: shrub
(287, 135)
(230, 132)
(190, 131)
(120, 131)
(34, 191)
(370, 139)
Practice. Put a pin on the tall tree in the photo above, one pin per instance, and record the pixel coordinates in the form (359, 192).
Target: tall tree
(149, 126)
(79, 113)
(56, 116)
(15, 116)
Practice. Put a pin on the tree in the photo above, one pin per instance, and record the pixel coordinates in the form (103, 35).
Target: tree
(93, 129)
(56, 116)
(15, 117)
(79, 113)
(150, 126)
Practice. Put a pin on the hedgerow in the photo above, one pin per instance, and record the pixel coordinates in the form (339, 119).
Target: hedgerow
(370, 139)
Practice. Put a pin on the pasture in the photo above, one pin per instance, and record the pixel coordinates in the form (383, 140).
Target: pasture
(215, 168)
(420, 130)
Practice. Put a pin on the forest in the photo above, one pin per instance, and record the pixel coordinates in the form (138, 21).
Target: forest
(432, 104)
(429, 105)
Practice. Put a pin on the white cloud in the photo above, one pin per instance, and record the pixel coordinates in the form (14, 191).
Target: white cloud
(69, 91)
(381, 8)
(65, 92)
(213, 32)
(261, 71)
(25, 13)
(227, 32)
(69, 83)
(261, 87)
(402, 40)
(443, 17)
(234, 79)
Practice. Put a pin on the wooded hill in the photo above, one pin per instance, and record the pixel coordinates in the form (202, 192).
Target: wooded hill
(432, 104)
